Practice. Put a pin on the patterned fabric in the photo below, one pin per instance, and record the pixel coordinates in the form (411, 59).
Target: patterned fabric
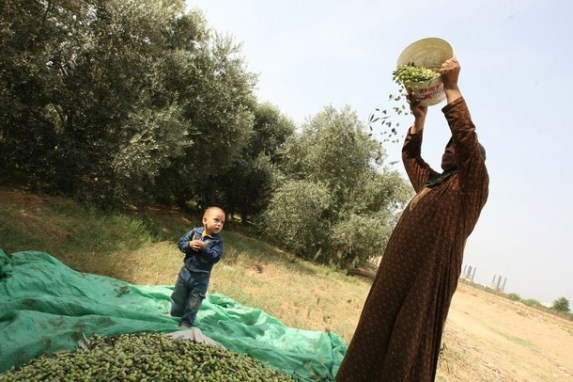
(400, 329)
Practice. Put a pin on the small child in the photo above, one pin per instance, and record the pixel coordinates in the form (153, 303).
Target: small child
(203, 247)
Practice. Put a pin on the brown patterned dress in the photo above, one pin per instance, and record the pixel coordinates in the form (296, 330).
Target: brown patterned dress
(400, 329)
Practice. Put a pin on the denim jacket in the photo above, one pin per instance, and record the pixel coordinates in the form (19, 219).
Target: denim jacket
(201, 261)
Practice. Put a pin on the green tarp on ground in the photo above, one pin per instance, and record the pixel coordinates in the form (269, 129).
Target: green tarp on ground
(45, 307)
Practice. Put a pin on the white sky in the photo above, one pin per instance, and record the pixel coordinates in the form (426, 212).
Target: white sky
(515, 57)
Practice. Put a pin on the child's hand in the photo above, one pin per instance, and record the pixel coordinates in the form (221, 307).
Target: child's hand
(196, 245)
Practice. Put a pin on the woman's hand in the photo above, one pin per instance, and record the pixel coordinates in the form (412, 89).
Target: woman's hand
(419, 112)
(449, 72)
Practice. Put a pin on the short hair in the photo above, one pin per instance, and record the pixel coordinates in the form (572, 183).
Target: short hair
(213, 208)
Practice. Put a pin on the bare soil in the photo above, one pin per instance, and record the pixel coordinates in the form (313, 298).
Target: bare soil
(491, 338)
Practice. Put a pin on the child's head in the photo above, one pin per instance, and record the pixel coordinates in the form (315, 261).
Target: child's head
(213, 220)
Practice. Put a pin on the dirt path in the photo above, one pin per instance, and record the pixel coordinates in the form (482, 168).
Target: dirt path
(490, 338)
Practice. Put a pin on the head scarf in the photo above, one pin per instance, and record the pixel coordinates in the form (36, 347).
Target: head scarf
(437, 180)
(481, 148)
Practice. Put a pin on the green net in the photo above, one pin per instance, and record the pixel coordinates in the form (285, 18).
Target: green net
(46, 307)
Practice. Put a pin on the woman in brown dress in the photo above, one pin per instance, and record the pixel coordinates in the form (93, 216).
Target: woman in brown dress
(400, 329)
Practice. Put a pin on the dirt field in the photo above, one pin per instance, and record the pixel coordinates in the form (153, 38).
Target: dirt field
(490, 338)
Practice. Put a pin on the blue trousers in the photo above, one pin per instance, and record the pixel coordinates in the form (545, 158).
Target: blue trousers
(187, 297)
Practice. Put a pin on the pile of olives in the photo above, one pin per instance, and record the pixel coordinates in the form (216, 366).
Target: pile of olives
(145, 357)
(409, 74)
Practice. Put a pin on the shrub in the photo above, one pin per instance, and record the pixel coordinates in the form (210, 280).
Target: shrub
(531, 302)
(561, 305)
(514, 297)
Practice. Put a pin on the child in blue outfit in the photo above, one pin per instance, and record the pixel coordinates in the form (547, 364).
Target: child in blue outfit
(203, 247)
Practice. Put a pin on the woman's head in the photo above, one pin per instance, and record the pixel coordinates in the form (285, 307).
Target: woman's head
(449, 156)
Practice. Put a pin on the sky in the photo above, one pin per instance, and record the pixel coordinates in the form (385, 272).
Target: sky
(515, 58)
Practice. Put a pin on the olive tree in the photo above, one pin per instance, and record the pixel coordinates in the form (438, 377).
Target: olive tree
(78, 79)
(334, 152)
(111, 100)
(298, 217)
(249, 183)
(215, 91)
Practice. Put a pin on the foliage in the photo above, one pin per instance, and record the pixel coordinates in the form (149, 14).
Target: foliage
(215, 91)
(561, 305)
(514, 297)
(332, 148)
(270, 131)
(334, 154)
(532, 303)
(77, 72)
(359, 237)
(104, 99)
(249, 183)
(382, 192)
(155, 138)
(297, 217)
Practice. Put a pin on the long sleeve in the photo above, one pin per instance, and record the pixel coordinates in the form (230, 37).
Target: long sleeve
(417, 169)
(204, 259)
(183, 243)
(472, 171)
(213, 250)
